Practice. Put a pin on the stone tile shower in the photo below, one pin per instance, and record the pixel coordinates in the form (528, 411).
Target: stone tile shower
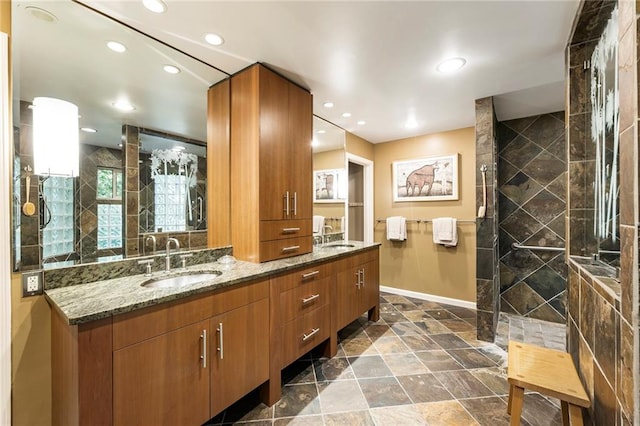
(531, 209)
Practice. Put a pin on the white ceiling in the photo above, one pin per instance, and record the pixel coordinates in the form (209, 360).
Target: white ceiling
(377, 59)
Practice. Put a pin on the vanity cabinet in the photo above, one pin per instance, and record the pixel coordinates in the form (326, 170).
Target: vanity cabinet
(270, 166)
(178, 363)
(357, 287)
(301, 318)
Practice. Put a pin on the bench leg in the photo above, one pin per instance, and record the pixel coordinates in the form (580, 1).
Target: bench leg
(516, 396)
(510, 398)
(575, 414)
(565, 413)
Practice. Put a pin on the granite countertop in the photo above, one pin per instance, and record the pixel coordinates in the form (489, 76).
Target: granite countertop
(88, 302)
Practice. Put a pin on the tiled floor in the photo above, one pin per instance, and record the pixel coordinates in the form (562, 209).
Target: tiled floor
(419, 365)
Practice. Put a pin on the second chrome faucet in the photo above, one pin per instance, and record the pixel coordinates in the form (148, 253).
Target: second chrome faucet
(168, 256)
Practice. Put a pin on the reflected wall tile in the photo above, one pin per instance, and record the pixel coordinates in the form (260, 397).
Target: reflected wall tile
(627, 69)
(628, 169)
(628, 269)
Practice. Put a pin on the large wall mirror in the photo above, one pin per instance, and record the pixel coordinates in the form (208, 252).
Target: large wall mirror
(330, 184)
(142, 171)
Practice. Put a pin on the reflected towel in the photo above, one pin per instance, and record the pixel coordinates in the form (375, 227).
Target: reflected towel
(445, 231)
(342, 224)
(396, 228)
(318, 224)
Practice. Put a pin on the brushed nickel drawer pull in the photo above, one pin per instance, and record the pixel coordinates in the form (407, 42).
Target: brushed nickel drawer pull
(220, 340)
(306, 337)
(310, 299)
(295, 204)
(203, 357)
(286, 204)
(309, 274)
(287, 230)
(290, 248)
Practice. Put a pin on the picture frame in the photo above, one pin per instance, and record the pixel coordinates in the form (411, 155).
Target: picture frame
(426, 179)
(329, 186)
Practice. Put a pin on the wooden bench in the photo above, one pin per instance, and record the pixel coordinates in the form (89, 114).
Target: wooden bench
(548, 372)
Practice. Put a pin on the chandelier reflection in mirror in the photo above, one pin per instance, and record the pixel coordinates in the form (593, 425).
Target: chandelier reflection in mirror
(174, 173)
(605, 131)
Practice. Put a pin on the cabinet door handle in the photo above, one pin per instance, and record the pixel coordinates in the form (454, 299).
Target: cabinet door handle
(310, 274)
(286, 204)
(313, 332)
(288, 230)
(290, 248)
(362, 275)
(220, 340)
(310, 299)
(295, 204)
(203, 355)
(358, 278)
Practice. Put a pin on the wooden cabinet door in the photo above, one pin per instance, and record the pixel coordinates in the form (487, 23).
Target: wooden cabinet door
(300, 135)
(370, 290)
(162, 381)
(274, 146)
(347, 297)
(239, 355)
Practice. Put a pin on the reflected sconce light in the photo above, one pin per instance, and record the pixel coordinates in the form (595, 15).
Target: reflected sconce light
(55, 137)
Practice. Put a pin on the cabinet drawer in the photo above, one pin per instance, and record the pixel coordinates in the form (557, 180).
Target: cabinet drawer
(136, 326)
(302, 277)
(280, 249)
(280, 229)
(305, 298)
(300, 336)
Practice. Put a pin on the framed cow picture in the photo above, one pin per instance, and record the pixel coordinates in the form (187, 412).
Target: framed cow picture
(426, 179)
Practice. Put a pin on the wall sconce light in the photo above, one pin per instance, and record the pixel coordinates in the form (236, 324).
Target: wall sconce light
(55, 137)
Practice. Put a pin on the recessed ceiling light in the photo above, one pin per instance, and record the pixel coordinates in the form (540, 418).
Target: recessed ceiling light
(116, 47)
(214, 39)
(88, 129)
(41, 14)
(328, 104)
(123, 106)
(346, 114)
(361, 123)
(157, 6)
(171, 69)
(411, 123)
(451, 65)
(321, 132)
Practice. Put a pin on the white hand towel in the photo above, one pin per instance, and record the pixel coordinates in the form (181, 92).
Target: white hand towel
(396, 228)
(445, 231)
(318, 224)
(342, 224)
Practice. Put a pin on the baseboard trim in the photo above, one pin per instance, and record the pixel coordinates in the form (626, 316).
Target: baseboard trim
(430, 297)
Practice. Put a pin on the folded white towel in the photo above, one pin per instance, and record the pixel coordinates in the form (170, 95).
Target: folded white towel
(342, 224)
(318, 224)
(396, 228)
(445, 231)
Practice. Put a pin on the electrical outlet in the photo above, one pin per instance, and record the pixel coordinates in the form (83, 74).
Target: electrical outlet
(31, 283)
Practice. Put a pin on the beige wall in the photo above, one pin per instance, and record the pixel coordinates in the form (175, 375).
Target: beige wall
(358, 146)
(31, 357)
(418, 264)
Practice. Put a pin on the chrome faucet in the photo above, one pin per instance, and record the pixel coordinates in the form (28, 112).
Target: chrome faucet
(153, 242)
(168, 257)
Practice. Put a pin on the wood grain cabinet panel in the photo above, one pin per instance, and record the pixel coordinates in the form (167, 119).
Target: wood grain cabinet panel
(304, 334)
(162, 380)
(357, 288)
(239, 357)
(270, 159)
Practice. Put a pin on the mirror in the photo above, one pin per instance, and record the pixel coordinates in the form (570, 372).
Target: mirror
(330, 179)
(605, 142)
(60, 51)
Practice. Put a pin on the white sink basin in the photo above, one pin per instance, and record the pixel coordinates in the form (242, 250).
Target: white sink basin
(181, 280)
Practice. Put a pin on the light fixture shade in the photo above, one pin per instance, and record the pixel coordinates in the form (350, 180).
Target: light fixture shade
(55, 137)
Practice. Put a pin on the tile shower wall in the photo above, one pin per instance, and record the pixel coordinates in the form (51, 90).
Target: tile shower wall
(532, 202)
(487, 278)
(602, 319)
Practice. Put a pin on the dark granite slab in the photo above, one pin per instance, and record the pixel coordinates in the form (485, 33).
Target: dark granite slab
(84, 303)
